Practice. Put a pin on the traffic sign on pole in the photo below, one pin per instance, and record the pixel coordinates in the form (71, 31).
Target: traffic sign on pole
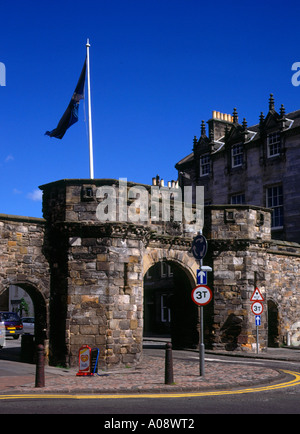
(257, 296)
(199, 247)
(257, 320)
(201, 277)
(257, 308)
(201, 295)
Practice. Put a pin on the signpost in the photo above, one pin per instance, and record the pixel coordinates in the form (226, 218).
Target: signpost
(201, 295)
(257, 309)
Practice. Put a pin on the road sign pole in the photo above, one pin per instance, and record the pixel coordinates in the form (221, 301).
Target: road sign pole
(201, 346)
(199, 249)
(201, 295)
(201, 338)
(256, 295)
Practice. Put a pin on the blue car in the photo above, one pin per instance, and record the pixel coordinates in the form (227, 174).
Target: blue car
(13, 324)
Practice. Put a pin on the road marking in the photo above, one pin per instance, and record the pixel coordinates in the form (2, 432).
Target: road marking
(292, 383)
(240, 362)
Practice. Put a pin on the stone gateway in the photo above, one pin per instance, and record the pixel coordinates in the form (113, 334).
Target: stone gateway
(86, 277)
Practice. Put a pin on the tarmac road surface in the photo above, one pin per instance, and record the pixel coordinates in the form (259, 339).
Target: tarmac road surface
(232, 385)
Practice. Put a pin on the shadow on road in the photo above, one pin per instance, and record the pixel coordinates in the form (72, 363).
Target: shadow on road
(12, 350)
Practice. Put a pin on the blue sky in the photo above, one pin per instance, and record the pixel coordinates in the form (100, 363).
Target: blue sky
(158, 67)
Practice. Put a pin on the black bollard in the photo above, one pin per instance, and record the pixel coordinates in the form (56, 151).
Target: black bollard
(40, 367)
(169, 365)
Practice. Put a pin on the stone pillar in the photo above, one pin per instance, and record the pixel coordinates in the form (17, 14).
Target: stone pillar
(105, 299)
(96, 277)
(239, 236)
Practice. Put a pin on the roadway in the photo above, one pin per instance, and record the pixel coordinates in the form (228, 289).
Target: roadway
(159, 408)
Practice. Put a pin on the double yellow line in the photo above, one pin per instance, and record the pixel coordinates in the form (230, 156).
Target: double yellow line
(294, 382)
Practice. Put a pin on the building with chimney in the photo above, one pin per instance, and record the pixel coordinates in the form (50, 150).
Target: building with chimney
(257, 165)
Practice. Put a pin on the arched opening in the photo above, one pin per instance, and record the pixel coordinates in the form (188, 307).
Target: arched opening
(273, 324)
(27, 301)
(168, 307)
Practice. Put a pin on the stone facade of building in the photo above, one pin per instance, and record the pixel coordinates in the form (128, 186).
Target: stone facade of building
(86, 276)
(243, 257)
(97, 271)
(257, 165)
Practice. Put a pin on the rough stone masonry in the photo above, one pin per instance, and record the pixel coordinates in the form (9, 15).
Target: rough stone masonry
(86, 277)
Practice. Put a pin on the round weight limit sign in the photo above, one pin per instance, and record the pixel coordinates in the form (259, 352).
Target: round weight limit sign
(257, 308)
(201, 295)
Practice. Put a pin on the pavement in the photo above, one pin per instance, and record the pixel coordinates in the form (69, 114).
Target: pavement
(149, 375)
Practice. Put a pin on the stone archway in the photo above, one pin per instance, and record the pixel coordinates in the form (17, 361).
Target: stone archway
(169, 277)
(273, 324)
(180, 258)
(40, 306)
(158, 292)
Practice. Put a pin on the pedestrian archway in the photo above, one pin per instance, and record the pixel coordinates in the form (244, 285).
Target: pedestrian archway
(39, 308)
(273, 324)
(168, 307)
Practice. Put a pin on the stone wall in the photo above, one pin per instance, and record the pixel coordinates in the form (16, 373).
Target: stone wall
(243, 256)
(97, 271)
(21, 250)
(105, 296)
(24, 264)
(282, 270)
(86, 276)
(237, 236)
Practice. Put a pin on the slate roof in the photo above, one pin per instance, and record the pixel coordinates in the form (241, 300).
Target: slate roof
(293, 123)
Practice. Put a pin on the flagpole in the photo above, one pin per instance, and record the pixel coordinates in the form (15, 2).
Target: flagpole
(89, 109)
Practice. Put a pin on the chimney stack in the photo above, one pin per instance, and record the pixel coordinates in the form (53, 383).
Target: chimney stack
(217, 124)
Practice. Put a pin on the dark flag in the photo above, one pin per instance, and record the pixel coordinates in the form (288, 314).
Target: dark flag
(70, 116)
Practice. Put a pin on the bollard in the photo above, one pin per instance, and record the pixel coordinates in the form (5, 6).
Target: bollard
(40, 367)
(169, 365)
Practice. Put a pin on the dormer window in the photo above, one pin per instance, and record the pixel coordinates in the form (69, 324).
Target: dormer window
(204, 165)
(237, 155)
(273, 144)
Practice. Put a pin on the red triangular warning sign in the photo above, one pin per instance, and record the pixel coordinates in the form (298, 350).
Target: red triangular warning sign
(256, 296)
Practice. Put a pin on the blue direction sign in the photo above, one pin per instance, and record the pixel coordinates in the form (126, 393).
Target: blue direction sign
(201, 277)
(257, 320)
(199, 247)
